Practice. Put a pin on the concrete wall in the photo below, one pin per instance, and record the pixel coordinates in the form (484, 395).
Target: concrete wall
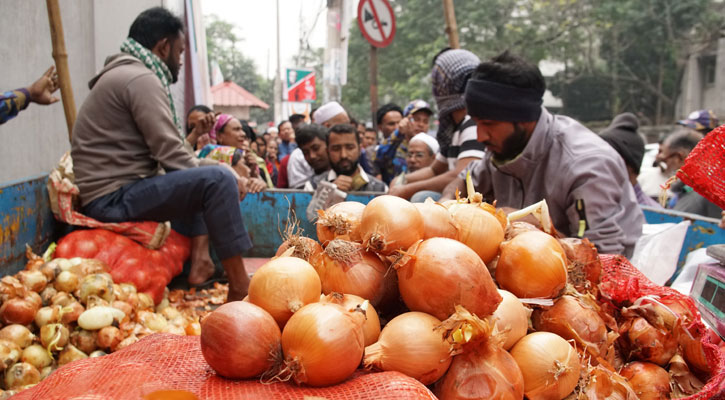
(696, 95)
(34, 141)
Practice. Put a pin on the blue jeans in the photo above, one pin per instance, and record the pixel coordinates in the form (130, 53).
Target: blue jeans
(195, 200)
(419, 197)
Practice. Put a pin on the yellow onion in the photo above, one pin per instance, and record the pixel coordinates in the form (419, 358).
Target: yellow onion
(572, 320)
(33, 280)
(305, 248)
(152, 321)
(601, 383)
(478, 229)
(84, 340)
(71, 312)
(437, 221)
(127, 342)
(585, 269)
(649, 381)
(108, 338)
(18, 334)
(284, 285)
(323, 344)
(344, 267)
(62, 298)
(371, 327)
(438, 274)
(389, 224)
(511, 319)
(648, 343)
(410, 344)
(193, 328)
(145, 302)
(100, 285)
(47, 295)
(532, 264)
(54, 336)
(18, 311)
(66, 281)
(240, 340)
(69, 354)
(10, 353)
(549, 364)
(48, 315)
(340, 221)
(37, 356)
(87, 266)
(21, 374)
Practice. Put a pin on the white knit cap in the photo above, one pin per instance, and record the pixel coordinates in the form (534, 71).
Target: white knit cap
(327, 111)
(428, 140)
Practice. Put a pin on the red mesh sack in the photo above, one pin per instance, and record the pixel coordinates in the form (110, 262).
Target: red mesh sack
(622, 283)
(704, 168)
(171, 362)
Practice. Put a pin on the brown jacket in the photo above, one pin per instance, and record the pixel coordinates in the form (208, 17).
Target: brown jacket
(125, 131)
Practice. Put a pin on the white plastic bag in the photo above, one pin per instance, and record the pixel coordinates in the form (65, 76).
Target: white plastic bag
(658, 250)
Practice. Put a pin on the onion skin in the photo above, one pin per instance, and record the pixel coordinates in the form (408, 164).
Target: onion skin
(549, 364)
(486, 371)
(390, 223)
(239, 340)
(585, 268)
(649, 381)
(438, 274)
(410, 344)
(647, 343)
(18, 311)
(571, 320)
(371, 327)
(532, 264)
(511, 319)
(323, 344)
(437, 221)
(478, 229)
(340, 221)
(18, 334)
(305, 248)
(284, 285)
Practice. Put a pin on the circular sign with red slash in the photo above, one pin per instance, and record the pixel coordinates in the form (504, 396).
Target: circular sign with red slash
(376, 21)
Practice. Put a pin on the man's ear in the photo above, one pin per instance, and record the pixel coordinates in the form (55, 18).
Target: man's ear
(162, 48)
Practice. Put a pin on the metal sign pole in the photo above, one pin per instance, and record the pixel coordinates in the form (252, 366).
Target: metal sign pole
(374, 84)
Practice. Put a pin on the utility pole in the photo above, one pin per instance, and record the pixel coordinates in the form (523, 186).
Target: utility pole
(278, 80)
(331, 74)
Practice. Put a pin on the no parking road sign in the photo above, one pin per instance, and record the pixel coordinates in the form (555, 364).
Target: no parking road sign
(376, 21)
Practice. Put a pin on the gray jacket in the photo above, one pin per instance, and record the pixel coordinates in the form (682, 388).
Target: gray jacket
(565, 162)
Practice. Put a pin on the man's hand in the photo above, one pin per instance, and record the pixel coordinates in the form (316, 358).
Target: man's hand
(41, 91)
(344, 183)
(256, 185)
(406, 128)
(201, 129)
(398, 190)
(242, 181)
(250, 160)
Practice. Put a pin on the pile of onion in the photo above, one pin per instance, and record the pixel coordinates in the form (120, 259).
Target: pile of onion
(438, 274)
(390, 223)
(340, 221)
(649, 381)
(411, 344)
(350, 302)
(284, 285)
(549, 364)
(345, 267)
(240, 340)
(478, 229)
(532, 264)
(511, 319)
(323, 344)
(437, 221)
(572, 320)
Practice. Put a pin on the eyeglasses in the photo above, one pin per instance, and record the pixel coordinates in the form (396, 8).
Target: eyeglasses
(417, 154)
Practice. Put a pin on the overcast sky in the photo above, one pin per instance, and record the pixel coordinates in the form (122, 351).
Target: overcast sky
(255, 20)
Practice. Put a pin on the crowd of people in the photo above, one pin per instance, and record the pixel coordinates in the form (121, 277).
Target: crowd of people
(133, 163)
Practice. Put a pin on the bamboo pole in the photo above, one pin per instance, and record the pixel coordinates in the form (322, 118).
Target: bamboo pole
(374, 84)
(61, 64)
(451, 26)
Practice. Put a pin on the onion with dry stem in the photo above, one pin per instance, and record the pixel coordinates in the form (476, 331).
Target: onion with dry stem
(572, 320)
(437, 220)
(340, 221)
(646, 342)
(511, 319)
(304, 248)
(438, 274)
(371, 327)
(389, 224)
(649, 381)
(532, 264)
(549, 364)
(284, 285)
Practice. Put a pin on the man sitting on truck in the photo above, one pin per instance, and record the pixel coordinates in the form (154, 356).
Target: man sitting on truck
(129, 157)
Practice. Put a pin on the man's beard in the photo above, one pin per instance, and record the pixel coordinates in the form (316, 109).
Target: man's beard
(513, 145)
(173, 68)
(348, 170)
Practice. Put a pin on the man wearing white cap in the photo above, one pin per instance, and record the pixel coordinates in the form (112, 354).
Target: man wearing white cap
(330, 114)
(422, 150)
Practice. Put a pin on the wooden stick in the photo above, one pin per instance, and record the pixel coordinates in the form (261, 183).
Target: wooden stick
(61, 64)
(451, 26)
(374, 84)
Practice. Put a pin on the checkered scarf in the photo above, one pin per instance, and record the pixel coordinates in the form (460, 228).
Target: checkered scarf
(158, 67)
(449, 75)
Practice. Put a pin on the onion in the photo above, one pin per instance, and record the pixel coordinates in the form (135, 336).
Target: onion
(108, 337)
(54, 336)
(127, 342)
(647, 343)
(84, 340)
(170, 313)
(97, 353)
(18, 311)
(51, 269)
(437, 221)
(601, 383)
(585, 268)
(344, 267)
(63, 299)
(21, 374)
(340, 221)
(572, 320)
(47, 315)
(322, 343)
(485, 371)
(37, 356)
(88, 266)
(283, 285)
(649, 381)
(34, 299)
(100, 285)
(371, 327)
(152, 321)
(478, 229)
(549, 364)
(193, 328)
(18, 334)
(70, 354)
(390, 223)
(240, 340)
(511, 318)
(439, 273)
(47, 295)
(305, 248)
(145, 302)
(532, 264)
(33, 280)
(99, 317)
(45, 372)
(693, 351)
(66, 281)
(410, 344)
(10, 353)
(71, 312)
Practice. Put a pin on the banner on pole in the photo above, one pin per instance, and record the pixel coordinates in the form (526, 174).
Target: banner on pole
(300, 85)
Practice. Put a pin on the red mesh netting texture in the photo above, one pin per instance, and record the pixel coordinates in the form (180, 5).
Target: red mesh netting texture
(704, 168)
(171, 362)
(623, 283)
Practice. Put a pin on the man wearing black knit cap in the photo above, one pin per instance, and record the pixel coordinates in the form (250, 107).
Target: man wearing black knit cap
(534, 155)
